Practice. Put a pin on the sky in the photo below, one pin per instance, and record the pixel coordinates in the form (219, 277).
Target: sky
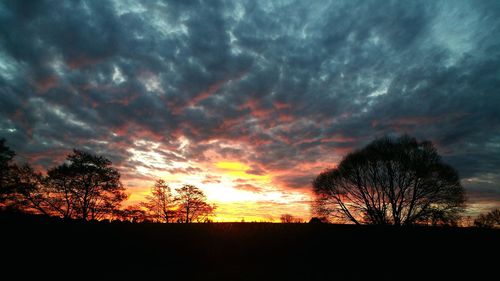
(250, 100)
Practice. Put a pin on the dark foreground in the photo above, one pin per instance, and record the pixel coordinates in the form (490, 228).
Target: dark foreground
(38, 247)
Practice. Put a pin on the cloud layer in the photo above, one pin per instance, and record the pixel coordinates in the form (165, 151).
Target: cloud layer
(285, 87)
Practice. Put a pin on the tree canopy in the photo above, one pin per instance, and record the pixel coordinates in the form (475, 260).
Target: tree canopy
(161, 203)
(91, 183)
(193, 204)
(398, 181)
(489, 220)
(85, 186)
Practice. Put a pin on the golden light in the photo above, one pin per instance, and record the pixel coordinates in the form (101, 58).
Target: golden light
(233, 166)
(235, 203)
(239, 170)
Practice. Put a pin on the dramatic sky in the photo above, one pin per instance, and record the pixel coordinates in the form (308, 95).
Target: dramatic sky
(249, 100)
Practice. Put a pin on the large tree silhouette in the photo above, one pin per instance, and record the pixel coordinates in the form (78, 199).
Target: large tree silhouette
(161, 202)
(85, 187)
(30, 195)
(193, 204)
(61, 195)
(396, 181)
(21, 187)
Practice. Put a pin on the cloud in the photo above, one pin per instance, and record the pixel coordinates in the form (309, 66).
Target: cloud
(187, 170)
(295, 181)
(211, 179)
(276, 85)
(248, 187)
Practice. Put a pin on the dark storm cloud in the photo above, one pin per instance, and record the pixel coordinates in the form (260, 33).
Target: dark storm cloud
(295, 181)
(285, 83)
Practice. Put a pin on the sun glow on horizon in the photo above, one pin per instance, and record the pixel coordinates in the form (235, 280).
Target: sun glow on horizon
(239, 170)
(231, 165)
(240, 192)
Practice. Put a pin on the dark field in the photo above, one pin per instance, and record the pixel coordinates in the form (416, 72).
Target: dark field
(39, 247)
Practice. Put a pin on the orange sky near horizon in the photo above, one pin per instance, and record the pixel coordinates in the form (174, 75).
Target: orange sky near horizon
(250, 100)
(239, 193)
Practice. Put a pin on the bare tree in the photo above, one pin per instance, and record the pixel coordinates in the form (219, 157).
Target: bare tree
(59, 191)
(161, 202)
(85, 187)
(192, 205)
(396, 181)
(287, 218)
(31, 194)
(134, 214)
(489, 220)
(21, 188)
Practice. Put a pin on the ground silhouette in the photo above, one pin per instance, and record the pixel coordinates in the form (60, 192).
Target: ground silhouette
(38, 247)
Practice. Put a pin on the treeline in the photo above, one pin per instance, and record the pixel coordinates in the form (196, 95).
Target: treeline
(488, 220)
(87, 187)
(185, 205)
(392, 181)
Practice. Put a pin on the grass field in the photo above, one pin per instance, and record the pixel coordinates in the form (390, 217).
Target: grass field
(35, 246)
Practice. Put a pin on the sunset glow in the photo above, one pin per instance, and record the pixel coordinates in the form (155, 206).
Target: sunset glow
(250, 139)
(250, 100)
(239, 192)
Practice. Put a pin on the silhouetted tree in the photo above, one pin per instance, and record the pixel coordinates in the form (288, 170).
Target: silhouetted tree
(22, 187)
(287, 218)
(192, 204)
(391, 181)
(6, 166)
(30, 192)
(85, 187)
(488, 220)
(133, 214)
(161, 202)
(61, 191)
